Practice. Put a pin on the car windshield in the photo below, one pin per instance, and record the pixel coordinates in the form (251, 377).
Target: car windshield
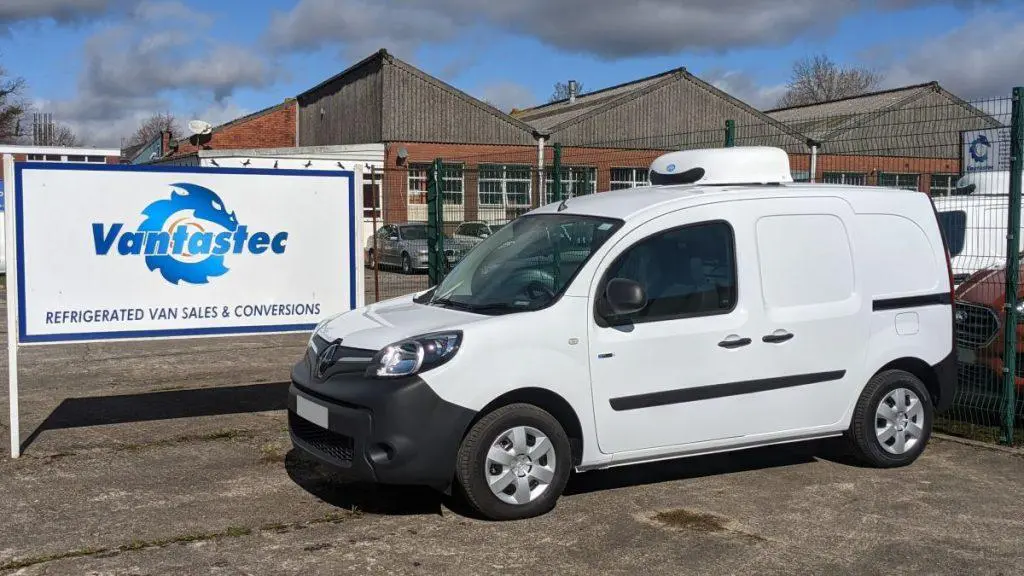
(954, 228)
(526, 265)
(414, 232)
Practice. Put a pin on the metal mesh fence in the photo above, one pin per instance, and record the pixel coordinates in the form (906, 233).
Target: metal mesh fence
(956, 152)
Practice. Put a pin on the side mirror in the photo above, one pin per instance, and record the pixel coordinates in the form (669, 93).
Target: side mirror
(625, 296)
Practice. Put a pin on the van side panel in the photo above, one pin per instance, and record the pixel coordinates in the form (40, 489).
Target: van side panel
(901, 251)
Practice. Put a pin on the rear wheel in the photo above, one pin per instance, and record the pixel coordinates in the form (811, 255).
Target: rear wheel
(892, 421)
(514, 463)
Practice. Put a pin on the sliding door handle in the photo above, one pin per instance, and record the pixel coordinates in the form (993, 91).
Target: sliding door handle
(734, 342)
(777, 337)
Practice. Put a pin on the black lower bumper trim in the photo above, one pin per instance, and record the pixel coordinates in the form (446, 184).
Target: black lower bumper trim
(946, 374)
(390, 432)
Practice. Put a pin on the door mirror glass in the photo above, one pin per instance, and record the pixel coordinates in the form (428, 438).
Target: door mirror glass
(625, 296)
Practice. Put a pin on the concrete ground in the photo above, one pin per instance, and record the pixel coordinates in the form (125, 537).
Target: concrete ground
(173, 458)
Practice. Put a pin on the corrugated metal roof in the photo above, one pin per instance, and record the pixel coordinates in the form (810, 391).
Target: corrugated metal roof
(547, 117)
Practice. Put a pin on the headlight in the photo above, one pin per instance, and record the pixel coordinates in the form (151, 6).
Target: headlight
(423, 252)
(414, 355)
(1020, 311)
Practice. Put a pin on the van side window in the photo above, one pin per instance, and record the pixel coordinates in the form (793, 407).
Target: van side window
(687, 271)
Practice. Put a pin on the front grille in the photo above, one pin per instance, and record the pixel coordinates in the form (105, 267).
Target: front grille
(337, 446)
(976, 326)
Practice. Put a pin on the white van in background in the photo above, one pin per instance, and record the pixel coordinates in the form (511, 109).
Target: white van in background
(974, 222)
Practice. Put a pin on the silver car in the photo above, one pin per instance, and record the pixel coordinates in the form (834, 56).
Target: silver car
(405, 246)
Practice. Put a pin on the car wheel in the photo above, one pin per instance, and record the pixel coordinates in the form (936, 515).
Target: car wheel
(371, 260)
(406, 264)
(514, 463)
(892, 421)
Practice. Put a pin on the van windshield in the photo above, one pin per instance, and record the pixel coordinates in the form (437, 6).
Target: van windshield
(526, 265)
(954, 227)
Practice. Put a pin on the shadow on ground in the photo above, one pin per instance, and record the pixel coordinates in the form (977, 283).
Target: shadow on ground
(149, 406)
(320, 481)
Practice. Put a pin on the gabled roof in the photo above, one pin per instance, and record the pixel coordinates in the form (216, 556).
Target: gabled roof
(548, 117)
(383, 58)
(825, 121)
(246, 118)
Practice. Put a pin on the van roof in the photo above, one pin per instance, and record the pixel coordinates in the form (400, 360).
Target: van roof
(630, 203)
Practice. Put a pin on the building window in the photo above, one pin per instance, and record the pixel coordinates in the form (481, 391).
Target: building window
(800, 175)
(372, 196)
(904, 181)
(504, 185)
(576, 181)
(852, 178)
(76, 158)
(45, 158)
(96, 159)
(629, 178)
(451, 183)
(943, 184)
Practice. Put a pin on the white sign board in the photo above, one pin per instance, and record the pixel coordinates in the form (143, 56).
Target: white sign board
(129, 252)
(985, 150)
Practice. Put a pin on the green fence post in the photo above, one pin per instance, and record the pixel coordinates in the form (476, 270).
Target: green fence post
(730, 133)
(1012, 267)
(436, 261)
(556, 166)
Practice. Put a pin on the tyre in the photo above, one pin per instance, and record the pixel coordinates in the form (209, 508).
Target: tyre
(371, 260)
(406, 264)
(892, 421)
(514, 463)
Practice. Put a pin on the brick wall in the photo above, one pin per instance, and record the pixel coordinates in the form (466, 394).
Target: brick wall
(24, 157)
(471, 156)
(270, 128)
(872, 166)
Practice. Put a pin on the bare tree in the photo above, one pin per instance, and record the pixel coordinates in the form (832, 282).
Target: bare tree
(151, 127)
(12, 107)
(561, 91)
(819, 79)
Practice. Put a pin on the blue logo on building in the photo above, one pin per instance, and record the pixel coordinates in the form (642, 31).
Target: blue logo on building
(979, 149)
(187, 236)
(670, 168)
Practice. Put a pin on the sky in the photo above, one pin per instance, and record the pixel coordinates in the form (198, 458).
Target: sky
(101, 66)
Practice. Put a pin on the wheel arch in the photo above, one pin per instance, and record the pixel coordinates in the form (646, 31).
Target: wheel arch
(919, 368)
(551, 403)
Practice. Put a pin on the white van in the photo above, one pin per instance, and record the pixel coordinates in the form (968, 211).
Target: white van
(721, 308)
(974, 222)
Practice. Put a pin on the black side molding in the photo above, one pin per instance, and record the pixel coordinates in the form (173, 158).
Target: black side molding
(940, 299)
(684, 395)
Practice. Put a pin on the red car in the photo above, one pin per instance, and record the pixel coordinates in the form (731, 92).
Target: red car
(979, 334)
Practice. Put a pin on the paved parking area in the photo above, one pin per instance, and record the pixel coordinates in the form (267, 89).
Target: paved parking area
(173, 458)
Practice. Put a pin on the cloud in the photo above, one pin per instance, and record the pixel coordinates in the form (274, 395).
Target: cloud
(608, 29)
(981, 59)
(160, 49)
(60, 11)
(507, 95)
(743, 86)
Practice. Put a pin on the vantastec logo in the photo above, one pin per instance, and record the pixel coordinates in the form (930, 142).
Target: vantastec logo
(187, 237)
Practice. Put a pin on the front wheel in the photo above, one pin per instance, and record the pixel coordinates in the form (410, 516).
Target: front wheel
(514, 463)
(371, 260)
(892, 421)
(406, 264)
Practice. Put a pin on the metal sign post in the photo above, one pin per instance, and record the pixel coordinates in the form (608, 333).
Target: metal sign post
(12, 308)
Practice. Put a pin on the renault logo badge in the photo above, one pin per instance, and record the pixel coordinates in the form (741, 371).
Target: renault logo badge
(326, 359)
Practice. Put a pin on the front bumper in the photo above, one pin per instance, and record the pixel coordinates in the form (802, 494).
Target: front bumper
(383, 431)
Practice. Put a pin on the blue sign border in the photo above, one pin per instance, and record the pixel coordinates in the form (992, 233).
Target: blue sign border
(20, 167)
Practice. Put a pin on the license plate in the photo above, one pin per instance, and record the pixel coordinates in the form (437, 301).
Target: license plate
(311, 411)
(966, 356)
